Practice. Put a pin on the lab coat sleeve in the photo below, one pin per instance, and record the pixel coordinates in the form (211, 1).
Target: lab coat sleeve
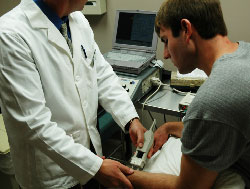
(24, 106)
(112, 96)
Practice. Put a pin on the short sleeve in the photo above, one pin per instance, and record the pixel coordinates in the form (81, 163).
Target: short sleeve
(211, 144)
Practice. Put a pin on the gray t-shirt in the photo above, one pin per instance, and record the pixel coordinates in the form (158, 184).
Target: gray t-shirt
(216, 132)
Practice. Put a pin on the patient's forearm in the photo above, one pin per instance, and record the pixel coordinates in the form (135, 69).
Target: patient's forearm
(175, 128)
(141, 179)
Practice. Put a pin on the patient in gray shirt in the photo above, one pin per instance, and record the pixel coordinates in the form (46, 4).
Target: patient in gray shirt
(216, 131)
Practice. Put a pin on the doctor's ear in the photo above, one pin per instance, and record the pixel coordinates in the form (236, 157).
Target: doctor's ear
(186, 26)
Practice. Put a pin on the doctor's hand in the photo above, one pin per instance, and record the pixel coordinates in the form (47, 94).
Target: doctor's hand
(113, 174)
(136, 131)
(161, 135)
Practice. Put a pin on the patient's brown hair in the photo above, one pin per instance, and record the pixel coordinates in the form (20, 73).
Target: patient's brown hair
(205, 15)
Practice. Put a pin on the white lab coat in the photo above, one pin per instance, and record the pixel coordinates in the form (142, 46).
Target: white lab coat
(49, 100)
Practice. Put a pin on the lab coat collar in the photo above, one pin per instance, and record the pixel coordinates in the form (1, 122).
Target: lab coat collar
(38, 20)
(35, 16)
(51, 15)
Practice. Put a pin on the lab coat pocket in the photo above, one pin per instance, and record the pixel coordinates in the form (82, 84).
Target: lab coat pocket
(89, 73)
(92, 63)
(91, 60)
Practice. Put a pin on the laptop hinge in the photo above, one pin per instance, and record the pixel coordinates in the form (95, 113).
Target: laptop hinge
(131, 49)
(117, 48)
(150, 51)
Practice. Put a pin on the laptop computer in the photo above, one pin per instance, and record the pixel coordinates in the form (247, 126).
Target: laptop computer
(134, 41)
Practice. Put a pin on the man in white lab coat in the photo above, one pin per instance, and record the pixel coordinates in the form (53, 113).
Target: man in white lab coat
(50, 89)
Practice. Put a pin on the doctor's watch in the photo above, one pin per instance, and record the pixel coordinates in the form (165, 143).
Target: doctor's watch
(127, 127)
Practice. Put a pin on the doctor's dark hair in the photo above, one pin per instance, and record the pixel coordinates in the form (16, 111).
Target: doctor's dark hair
(205, 15)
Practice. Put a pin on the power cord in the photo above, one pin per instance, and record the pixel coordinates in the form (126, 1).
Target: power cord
(157, 82)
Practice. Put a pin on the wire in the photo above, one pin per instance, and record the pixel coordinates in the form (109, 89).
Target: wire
(164, 116)
(151, 96)
(148, 99)
(150, 115)
(159, 86)
(153, 126)
(170, 89)
(175, 90)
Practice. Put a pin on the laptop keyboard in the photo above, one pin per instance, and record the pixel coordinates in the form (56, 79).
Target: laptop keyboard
(125, 57)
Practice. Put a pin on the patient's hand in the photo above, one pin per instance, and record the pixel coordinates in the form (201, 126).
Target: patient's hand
(162, 133)
(160, 137)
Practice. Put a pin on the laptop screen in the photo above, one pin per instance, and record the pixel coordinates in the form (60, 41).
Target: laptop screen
(135, 29)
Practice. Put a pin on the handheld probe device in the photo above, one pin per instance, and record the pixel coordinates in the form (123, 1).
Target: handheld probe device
(139, 159)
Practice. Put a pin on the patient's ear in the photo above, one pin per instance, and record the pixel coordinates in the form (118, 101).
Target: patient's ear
(186, 26)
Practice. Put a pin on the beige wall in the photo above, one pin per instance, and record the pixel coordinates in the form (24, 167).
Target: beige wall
(236, 14)
(237, 18)
(6, 5)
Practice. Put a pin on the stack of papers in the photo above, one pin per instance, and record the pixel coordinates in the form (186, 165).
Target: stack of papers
(197, 73)
(194, 79)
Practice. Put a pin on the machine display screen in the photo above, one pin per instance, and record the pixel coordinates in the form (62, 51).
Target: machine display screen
(135, 29)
